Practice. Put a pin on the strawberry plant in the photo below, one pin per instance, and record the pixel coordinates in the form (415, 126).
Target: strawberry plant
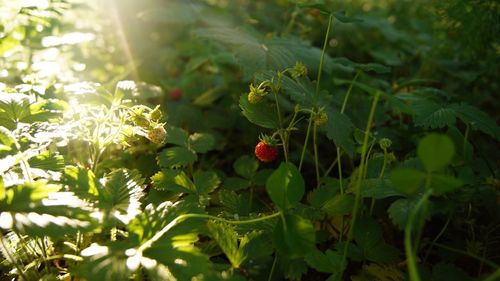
(208, 140)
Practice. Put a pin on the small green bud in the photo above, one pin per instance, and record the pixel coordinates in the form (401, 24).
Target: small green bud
(385, 143)
(140, 120)
(298, 70)
(155, 114)
(256, 93)
(157, 134)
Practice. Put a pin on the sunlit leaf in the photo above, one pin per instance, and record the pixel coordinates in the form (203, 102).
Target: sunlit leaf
(261, 114)
(201, 143)
(294, 237)
(176, 156)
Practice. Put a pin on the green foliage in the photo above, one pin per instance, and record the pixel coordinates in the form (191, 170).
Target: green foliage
(285, 186)
(126, 152)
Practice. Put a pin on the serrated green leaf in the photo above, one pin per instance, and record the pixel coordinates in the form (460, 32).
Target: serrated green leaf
(379, 188)
(407, 180)
(201, 143)
(339, 129)
(173, 180)
(294, 237)
(176, 156)
(431, 115)
(227, 239)
(328, 262)
(399, 211)
(285, 186)
(47, 161)
(477, 118)
(205, 181)
(80, 181)
(246, 166)
(176, 136)
(444, 183)
(261, 114)
(320, 195)
(341, 204)
(234, 203)
(368, 237)
(120, 194)
(107, 262)
(435, 151)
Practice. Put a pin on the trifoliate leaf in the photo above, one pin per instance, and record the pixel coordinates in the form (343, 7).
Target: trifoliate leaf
(444, 183)
(407, 180)
(173, 180)
(47, 161)
(435, 151)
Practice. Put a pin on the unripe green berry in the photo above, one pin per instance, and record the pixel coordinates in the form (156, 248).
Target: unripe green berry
(140, 120)
(320, 119)
(157, 134)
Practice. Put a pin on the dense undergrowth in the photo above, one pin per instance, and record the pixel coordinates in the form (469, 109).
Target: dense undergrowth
(128, 134)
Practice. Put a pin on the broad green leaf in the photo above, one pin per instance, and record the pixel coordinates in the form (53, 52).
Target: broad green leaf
(177, 136)
(201, 143)
(339, 129)
(368, 237)
(234, 203)
(176, 156)
(429, 114)
(173, 180)
(246, 166)
(227, 239)
(294, 237)
(173, 13)
(444, 183)
(407, 180)
(261, 114)
(285, 186)
(341, 204)
(206, 182)
(435, 151)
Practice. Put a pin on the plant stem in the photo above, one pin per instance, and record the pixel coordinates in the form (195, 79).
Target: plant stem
(273, 267)
(360, 178)
(437, 237)
(410, 255)
(323, 52)
(10, 257)
(174, 222)
(304, 146)
(349, 90)
(316, 158)
(474, 256)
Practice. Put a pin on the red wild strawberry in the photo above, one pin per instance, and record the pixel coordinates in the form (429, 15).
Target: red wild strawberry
(266, 152)
(176, 94)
